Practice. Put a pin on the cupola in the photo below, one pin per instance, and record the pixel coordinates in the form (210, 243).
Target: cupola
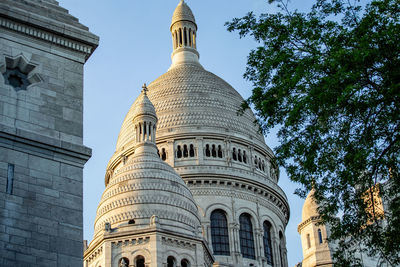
(184, 30)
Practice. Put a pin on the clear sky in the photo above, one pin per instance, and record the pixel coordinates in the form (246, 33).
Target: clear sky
(135, 48)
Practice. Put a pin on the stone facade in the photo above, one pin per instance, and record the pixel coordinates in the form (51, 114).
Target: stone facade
(42, 53)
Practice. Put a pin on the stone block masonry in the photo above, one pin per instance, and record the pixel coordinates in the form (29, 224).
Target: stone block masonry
(42, 53)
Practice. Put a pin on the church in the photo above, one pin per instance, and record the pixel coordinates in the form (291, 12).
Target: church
(191, 183)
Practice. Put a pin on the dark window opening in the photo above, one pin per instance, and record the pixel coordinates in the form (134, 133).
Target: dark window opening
(185, 36)
(140, 261)
(320, 236)
(171, 261)
(214, 151)
(124, 262)
(267, 242)
(163, 154)
(179, 152)
(244, 157)
(10, 178)
(132, 221)
(240, 155)
(180, 37)
(191, 151)
(185, 263)
(185, 151)
(219, 233)
(234, 154)
(246, 236)
(219, 152)
(208, 151)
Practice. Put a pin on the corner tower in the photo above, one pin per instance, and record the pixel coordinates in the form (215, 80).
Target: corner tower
(221, 156)
(42, 53)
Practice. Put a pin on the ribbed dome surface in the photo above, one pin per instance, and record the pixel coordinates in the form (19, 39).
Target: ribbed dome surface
(189, 97)
(310, 207)
(143, 106)
(182, 12)
(143, 187)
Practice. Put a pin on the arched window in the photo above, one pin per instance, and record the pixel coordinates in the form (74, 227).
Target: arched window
(246, 236)
(219, 233)
(185, 263)
(185, 36)
(320, 236)
(255, 161)
(163, 154)
(140, 261)
(234, 156)
(213, 151)
(219, 152)
(208, 153)
(244, 157)
(267, 242)
(179, 152)
(263, 166)
(190, 37)
(171, 262)
(191, 151)
(240, 155)
(123, 262)
(185, 151)
(308, 241)
(180, 37)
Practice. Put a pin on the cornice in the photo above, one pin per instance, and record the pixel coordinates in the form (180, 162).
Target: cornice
(60, 38)
(301, 226)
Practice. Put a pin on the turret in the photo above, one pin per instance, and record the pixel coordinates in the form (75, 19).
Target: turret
(184, 31)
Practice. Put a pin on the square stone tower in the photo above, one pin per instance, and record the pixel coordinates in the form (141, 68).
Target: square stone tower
(42, 53)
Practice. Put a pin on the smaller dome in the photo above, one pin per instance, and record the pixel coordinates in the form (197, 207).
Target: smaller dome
(182, 12)
(310, 207)
(143, 105)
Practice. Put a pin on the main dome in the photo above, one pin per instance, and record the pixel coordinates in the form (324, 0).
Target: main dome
(189, 97)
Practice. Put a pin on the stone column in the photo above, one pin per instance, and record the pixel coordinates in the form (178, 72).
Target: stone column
(200, 150)
(170, 150)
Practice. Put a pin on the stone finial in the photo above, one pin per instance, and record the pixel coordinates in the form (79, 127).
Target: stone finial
(144, 89)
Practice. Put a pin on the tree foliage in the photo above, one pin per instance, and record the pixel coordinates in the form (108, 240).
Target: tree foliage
(330, 80)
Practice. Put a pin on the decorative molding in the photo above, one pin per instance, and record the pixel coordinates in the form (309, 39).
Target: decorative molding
(178, 243)
(46, 36)
(94, 254)
(130, 242)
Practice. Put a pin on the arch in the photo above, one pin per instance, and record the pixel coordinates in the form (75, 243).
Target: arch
(246, 236)
(123, 262)
(140, 261)
(208, 152)
(219, 232)
(179, 152)
(191, 151)
(267, 242)
(234, 156)
(185, 151)
(320, 236)
(219, 151)
(225, 208)
(171, 261)
(185, 263)
(213, 151)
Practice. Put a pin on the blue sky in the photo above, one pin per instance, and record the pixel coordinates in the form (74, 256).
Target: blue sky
(135, 48)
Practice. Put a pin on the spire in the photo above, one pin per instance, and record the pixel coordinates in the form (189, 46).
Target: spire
(184, 31)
